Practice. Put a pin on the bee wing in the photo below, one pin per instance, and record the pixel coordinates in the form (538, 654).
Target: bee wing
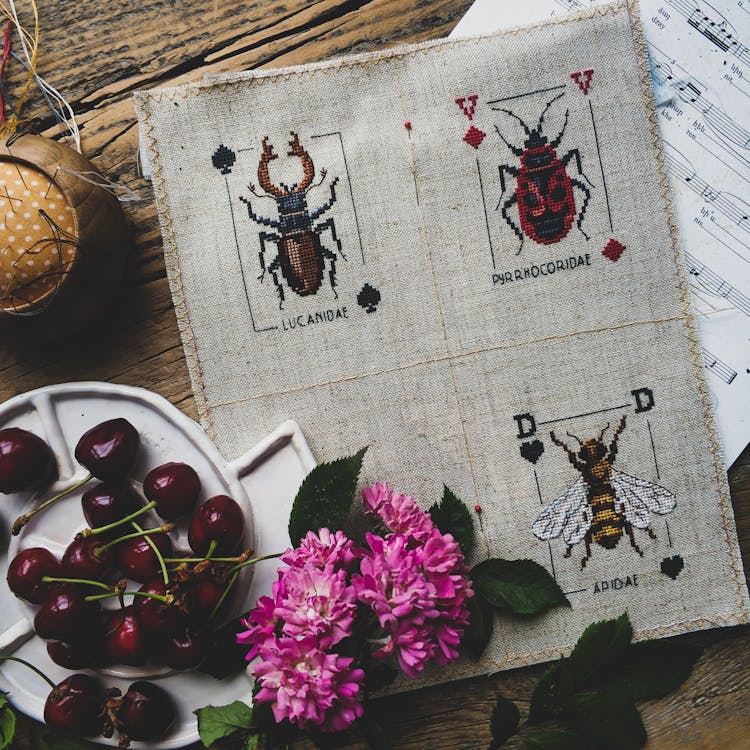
(565, 515)
(641, 498)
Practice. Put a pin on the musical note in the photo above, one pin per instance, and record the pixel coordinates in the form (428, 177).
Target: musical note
(713, 284)
(719, 368)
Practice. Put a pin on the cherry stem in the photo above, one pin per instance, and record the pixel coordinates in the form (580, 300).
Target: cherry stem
(136, 534)
(202, 559)
(84, 581)
(211, 549)
(97, 597)
(21, 521)
(255, 560)
(224, 595)
(115, 524)
(31, 667)
(157, 552)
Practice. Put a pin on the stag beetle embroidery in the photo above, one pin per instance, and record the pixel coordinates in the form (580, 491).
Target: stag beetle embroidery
(544, 189)
(301, 255)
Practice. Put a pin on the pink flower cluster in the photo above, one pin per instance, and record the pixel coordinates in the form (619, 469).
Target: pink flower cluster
(411, 578)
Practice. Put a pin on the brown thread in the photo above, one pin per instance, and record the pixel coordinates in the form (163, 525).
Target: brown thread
(445, 358)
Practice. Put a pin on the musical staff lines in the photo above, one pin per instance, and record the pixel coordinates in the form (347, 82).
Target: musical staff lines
(712, 25)
(713, 284)
(734, 208)
(718, 367)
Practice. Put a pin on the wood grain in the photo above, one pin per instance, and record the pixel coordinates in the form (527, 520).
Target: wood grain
(98, 54)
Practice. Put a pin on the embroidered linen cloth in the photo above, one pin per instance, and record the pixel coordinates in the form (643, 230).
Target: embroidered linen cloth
(462, 254)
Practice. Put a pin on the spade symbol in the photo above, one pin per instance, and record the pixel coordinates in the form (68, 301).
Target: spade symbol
(532, 450)
(672, 566)
(224, 159)
(369, 298)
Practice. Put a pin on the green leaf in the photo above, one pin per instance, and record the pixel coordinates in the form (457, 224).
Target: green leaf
(654, 669)
(503, 721)
(325, 497)
(479, 631)
(522, 587)
(3, 698)
(554, 688)
(217, 722)
(251, 742)
(451, 516)
(373, 734)
(7, 726)
(554, 739)
(607, 720)
(601, 649)
(42, 738)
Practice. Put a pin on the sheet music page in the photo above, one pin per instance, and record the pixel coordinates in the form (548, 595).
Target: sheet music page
(701, 71)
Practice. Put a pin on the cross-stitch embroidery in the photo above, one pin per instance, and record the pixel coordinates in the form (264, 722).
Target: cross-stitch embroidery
(301, 255)
(604, 503)
(544, 189)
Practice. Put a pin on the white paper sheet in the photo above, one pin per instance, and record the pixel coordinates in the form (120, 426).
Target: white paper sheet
(701, 70)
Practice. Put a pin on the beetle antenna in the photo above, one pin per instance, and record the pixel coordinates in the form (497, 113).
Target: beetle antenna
(544, 112)
(556, 142)
(513, 114)
(601, 434)
(575, 437)
(514, 149)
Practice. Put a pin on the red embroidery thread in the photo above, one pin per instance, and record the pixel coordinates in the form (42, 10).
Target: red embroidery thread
(468, 109)
(613, 249)
(474, 136)
(583, 79)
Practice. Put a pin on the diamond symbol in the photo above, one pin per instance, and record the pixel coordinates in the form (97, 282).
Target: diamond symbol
(613, 249)
(474, 136)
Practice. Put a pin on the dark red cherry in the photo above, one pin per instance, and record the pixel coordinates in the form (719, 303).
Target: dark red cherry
(26, 570)
(65, 615)
(25, 460)
(125, 641)
(107, 503)
(75, 655)
(184, 648)
(156, 617)
(108, 450)
(218, 520)
(75, 706)
(205, 596)
(174, 487)
(137, 559)
(86, 558)
(146, 712)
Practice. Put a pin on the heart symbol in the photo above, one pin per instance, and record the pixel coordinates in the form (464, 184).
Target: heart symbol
(613, 249)
(671, 566)
(532, 450)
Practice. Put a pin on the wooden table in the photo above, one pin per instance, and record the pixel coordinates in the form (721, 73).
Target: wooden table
(98, 54)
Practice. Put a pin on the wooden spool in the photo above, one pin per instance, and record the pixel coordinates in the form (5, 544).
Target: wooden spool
(63, 239)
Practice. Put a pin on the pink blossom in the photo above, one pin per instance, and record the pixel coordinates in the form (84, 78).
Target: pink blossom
(321, 549)
(418, 594)
(311, 688)
(399, 513)
(261, 622)
(317, 602)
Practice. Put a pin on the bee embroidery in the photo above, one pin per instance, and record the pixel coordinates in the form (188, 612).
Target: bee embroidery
(604, 503)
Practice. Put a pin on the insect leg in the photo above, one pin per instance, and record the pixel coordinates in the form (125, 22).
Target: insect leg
(586, 199)
(275, 263)
(265, 237)
(329, 224)
(260, 219)
(612, 451)
(587, 556)
(320, 211)
(513, 172)
(631, 536)
(575, 153)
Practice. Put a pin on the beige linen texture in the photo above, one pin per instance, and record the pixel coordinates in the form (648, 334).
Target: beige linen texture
(473, 328)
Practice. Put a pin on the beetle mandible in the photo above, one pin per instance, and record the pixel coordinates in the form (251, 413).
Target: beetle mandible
(301, 255)
(544, 189)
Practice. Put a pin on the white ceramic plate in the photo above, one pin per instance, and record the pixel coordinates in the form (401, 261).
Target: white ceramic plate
(264, 482)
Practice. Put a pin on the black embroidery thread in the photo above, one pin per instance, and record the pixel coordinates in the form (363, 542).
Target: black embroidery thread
(544, 189)
(368, 298)
(672, 566)
(223, 159)
(301, 256)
